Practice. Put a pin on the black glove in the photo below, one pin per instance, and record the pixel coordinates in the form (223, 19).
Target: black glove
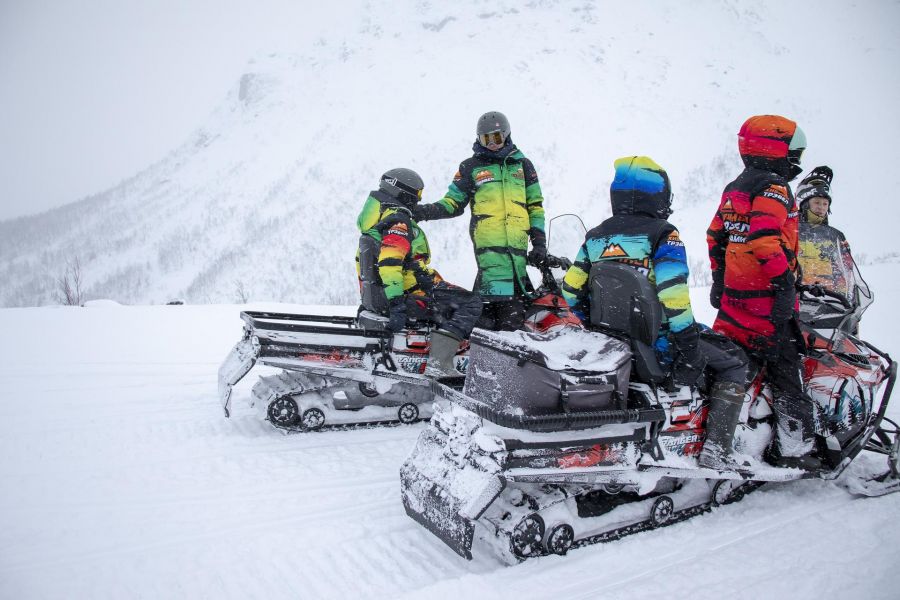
(689, 361)
(816, 290)
(397, 315)
(785, 297)
(427, 212)
(537, 256)
(560, 262)
(716, 291)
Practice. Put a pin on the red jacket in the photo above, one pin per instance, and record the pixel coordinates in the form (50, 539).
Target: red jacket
(753, 240)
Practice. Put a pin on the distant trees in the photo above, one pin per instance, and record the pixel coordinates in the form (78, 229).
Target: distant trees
(701, 276)
(70, 284)
(241, 293)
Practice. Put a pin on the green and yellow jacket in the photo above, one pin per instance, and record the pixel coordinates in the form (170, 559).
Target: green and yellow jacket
(507, 209)
(393, 256)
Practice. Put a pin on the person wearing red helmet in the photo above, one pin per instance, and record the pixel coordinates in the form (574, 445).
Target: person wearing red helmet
(753, 247)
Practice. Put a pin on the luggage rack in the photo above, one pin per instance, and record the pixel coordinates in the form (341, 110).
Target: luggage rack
(563, 421)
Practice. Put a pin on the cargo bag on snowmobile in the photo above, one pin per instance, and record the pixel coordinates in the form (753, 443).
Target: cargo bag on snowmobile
(573, 377)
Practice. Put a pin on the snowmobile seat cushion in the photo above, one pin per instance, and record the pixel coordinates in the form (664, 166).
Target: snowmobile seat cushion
(372, 321)
(371, 288)
(624, 302)
(646, 365)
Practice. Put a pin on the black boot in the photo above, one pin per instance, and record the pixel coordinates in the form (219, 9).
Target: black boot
(795, 426)
(725, 403)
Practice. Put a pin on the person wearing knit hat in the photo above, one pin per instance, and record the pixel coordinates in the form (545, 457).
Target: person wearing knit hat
(824, 255)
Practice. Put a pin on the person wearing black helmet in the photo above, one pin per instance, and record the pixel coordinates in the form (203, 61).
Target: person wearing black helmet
(825, 258)
(501, 186)
(395, 277)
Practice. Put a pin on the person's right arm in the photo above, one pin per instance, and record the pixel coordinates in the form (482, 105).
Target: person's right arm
(454, 201)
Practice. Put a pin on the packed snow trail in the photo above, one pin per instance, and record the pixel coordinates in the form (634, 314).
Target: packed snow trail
(122, 479)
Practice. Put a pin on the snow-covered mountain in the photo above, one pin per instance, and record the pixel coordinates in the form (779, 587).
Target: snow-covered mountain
(260, 202)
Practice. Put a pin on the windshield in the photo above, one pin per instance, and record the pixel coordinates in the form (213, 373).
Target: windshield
(565, 235)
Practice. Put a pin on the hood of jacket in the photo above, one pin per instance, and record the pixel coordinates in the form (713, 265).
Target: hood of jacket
(640, 187)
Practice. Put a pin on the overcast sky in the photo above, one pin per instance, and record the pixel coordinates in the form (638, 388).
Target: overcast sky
(95, 90)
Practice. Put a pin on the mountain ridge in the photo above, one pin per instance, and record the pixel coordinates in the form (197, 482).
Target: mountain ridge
(260, 201)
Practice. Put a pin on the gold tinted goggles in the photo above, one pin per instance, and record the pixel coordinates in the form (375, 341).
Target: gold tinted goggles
(494, 138)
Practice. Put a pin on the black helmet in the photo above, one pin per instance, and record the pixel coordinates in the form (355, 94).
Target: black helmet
(816, 185)
(492, 123)
(403, 184)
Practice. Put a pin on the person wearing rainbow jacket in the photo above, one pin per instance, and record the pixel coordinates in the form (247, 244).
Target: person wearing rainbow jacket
(395, 276)
(501, 186)
(639, 235)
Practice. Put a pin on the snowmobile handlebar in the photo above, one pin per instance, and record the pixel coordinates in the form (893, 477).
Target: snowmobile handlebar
(557, 262)
(548, 281)
(821, 294)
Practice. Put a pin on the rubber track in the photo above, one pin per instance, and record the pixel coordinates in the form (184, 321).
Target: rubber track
(677, 517)
(279, 385)
(344, 426)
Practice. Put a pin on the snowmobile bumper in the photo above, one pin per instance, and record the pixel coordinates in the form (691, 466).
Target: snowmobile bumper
(445, 493)
(237, 364)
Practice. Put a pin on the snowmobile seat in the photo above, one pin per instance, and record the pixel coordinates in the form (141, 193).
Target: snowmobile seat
(371, 288)
(624, 303)
(371, 321)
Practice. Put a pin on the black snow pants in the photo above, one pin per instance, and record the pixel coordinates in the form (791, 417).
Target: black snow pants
(725, 360)
(796, 414)
(453, 308)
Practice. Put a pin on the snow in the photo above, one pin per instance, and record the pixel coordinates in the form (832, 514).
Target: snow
(122, 479)
(571, 349)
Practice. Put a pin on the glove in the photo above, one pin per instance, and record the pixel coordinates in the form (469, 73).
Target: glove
(716, 291)
(785, 297)
(397, 315)
(560, 262)
(689, 361)
(427, 212)
(538, 256)
(816, 290)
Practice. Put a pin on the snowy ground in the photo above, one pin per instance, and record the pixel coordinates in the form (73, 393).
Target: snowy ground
(122, 479)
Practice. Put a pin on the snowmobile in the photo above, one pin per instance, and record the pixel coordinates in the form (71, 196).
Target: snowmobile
(340, 372)
(571, 437)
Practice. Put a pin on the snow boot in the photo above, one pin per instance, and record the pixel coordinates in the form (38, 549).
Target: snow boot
(441, 354)
(795, 440)
(725, 403)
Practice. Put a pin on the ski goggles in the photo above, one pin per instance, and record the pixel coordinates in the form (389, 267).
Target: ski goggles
(492, 138)
(794, 156)
(796, 147)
